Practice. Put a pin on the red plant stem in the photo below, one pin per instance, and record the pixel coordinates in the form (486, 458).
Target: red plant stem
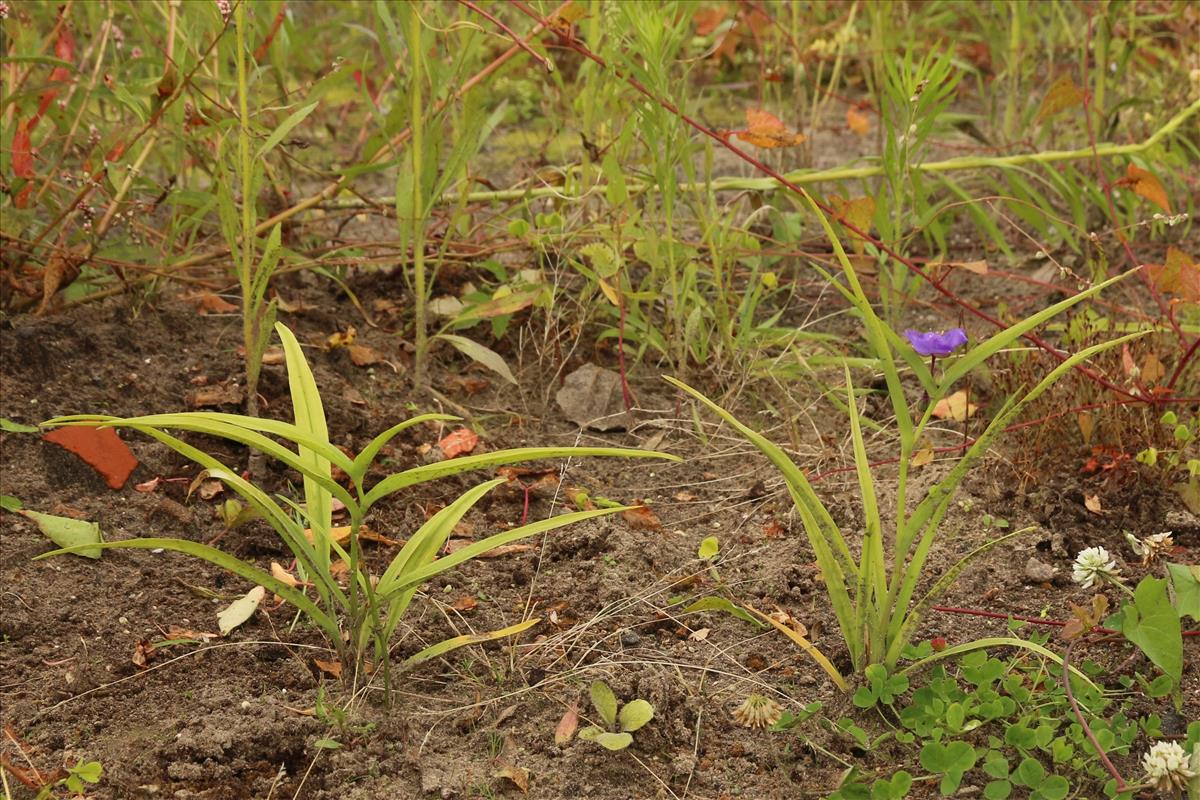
(521, 43)
(974, 612)
(261, 51)
(1087, 729)
(1183, 362)
(570, 42)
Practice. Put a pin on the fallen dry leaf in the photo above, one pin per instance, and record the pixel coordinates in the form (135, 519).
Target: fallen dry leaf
(518, 775)
(210, 488)
(774, 529)
(567, 725)
(210, 303)
(147, 486)
(955, 407)
(226, 393)
(363, 356)
(464, 603)
(699, 635)
(282, 575)
(143, 654)
(100, 448)
(458, 442)
(330, 668)
(175, 632)
(62, 269)
(1092, 503)
(641, 518)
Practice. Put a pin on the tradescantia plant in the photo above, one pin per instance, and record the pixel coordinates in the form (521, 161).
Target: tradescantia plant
(874, 594)
(361, 619)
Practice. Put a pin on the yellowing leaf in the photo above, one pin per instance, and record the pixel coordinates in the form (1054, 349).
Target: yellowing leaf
(281, 574)
(1087, 424)
(610, 292)
(922, 457)
(1179, 276)
(955, 407)
(859, 213)
(766, 130)
(518, 775)
(1152, 369)
(857, 121)
(1147, 185)
(1063, 94)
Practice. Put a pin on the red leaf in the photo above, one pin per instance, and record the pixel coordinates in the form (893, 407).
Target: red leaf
(641, 518)
(64, 48)
(101, 448)
(459, 442)
(567, 725)
(1145, 184)
(22, 153)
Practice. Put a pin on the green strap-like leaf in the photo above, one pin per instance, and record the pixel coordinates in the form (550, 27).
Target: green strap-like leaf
(454, 466)
(445, 646)
(362, 462)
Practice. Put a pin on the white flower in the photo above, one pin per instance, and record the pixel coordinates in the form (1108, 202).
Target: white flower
(1166, 766)
(757, 711)
(1093, 565)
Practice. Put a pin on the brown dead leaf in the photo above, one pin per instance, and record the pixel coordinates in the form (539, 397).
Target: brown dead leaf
(774, 529)
(1087, 424)
(858, 122)
(210, 303)
(354, 397)
(764, 129)
(466, 603)
(272, 356)
(978, 267)
(519, 776)
(210, 488)
(1146, 185)
(699, 635)
(641, 518)
(567, 725)
(1180, 275)
(684, 497)
(363, 356)
(458, 442)
(331, 668)
(175, 632)
(143, 654)
(62, 269)
(1092, 503)
(225, 393)
(147, 487)
(955, 407)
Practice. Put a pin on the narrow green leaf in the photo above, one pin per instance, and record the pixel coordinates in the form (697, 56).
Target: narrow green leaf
(285, 127)
(16, 427)
(445, 646)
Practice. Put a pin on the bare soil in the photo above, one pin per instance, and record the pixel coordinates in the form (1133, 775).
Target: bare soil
(233, 718)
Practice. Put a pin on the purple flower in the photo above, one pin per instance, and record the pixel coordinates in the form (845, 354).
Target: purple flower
(937, 343)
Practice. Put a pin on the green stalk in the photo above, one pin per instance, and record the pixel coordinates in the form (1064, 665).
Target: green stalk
(416, 148)
(804, 178)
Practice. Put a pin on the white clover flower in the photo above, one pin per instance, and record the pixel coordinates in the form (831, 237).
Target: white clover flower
(1093, 565)
(1166, 766)
(757, 711)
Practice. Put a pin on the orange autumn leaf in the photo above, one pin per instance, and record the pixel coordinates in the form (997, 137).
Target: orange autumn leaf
(955, 407)
(331, 668)
(857, 121)
(1180, 275)
(641, 518)
(565, 729)
(1144, 183)
(766, 130)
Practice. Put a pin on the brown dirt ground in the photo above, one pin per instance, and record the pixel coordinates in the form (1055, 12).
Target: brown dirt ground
(221, 720)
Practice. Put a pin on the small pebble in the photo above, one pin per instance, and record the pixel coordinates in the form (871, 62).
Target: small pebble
(630, 639)
(1037, 571)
